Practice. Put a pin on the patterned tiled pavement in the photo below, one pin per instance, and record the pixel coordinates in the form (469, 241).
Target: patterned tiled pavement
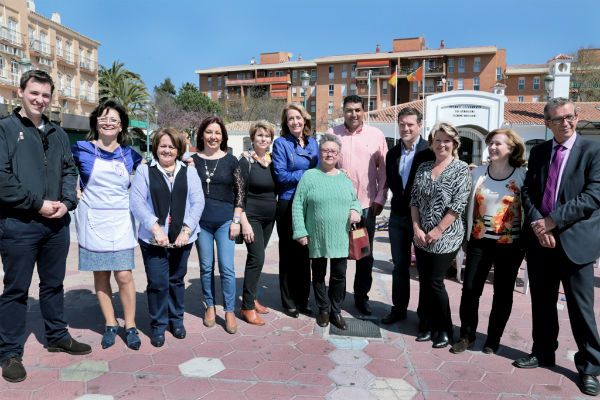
(286, 358)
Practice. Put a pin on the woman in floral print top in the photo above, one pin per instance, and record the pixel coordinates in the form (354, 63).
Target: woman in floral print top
(493, 227)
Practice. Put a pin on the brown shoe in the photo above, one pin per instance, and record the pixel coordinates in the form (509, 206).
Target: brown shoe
(209, 317)
(259, 308)
(251, 317)
(230, 322)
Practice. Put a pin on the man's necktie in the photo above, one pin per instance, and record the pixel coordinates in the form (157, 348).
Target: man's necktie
(550, 191)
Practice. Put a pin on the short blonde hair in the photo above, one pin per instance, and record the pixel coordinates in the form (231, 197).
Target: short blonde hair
(449, 130)
(264, 125)
(516, 158)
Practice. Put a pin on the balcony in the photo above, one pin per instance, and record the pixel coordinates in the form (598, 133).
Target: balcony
(67, 93)
(280, 94)
(274, 79)
(363, 91)
(87, 66)
(90, 97)
(437, 69)
(11, 36)
(11, 80)
(67, 59)
(239, 82)
(37, 46)
(12, 51)
(364, 73)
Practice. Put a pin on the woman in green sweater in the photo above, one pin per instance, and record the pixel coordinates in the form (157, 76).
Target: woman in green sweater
(325, 205)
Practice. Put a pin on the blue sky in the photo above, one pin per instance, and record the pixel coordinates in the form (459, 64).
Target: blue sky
(160, 39)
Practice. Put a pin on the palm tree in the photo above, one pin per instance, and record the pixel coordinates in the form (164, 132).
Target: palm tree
(126, 86)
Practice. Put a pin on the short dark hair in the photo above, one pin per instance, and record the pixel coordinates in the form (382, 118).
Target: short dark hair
(556, 102)
(110, 104)
(353, 99)
(176, 137)
(411, 111)
(213, 119)
(37, 75)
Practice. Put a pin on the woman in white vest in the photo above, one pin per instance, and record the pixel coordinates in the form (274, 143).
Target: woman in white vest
(105, 228)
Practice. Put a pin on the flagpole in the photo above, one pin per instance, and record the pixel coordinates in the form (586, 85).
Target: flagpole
(368, 97)
(424, 119)
(396, 107)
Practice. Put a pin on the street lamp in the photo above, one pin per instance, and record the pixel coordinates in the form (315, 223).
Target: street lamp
(148, 108)
(548, 86)
(305, 78)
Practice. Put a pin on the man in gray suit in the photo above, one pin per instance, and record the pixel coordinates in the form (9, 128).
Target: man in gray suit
(561, 198)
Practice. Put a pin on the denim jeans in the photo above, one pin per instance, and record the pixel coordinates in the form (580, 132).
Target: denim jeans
(211, 232)
(401, 235)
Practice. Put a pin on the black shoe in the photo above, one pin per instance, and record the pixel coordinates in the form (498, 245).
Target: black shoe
(323, 319)
(532, 361)
(423, 336)
(363, 307)
(306, 310)
(393, 316)
(490, 348)
(338, 321)
(157, 340)
(588, 384)
(442, 340)
(462, 345)
(13, 370)
(291, 312)
(179, 332)
(70, 346)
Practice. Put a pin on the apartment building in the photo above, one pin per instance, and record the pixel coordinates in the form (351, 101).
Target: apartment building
(29, 40)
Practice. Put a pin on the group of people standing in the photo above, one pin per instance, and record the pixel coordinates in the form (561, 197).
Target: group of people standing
(314, 192)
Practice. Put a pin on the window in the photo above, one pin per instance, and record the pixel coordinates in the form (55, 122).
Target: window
(535, 99)
(69, 86)
(313, 91)
(294, 75)
(68, 54)
(248, 75)
(2, 67)
(219, 80)
(461, 65)
(451, 65)
(520, 99)
(30, 33)
(58, 47)
(372, 105)
(209, 81)
(90, 57)
(313, 74)
(331, 89)
(59, 81)
(450, 84)
(384, 104)
(240, 76)
(344, 89)
(353, 71)
(331, 71)
(294, 91)
(461, 84)
(278, 73)
(384, 87)
(81, 87)
(209, 94)
(476, 83)
(302, 92)
(270, 74)
(313, 106)
(330, 108)
(521, 83)
(477, 64)
(415, 64)
(498, 73)
(415, 87)
(345, 71)
(352, 89)
(536, 83)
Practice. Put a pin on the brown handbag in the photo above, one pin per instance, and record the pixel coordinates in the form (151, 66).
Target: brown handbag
(359, 242)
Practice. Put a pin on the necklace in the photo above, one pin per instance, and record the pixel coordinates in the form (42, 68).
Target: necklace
(209, 174)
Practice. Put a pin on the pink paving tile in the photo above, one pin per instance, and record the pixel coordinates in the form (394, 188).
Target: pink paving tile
(388, 368)
(445, 355)
(112, 353)
(264, 390)
(247, 329)
(307, 363)
(173, 356)
(424, 361)
(15, 395)
(428, 380)
(274, 371)
(461, 370)
(154, 380)
(350, 393)
(160, 369)
(491, 363)
(60, 391)
(212, 349)
(224, 395)
(235, 386)
(543, 376)
(55, 360)
(110, 383)
(470, 386)
(554, 391)
(242, 359)
(307, 330)
(284, 337)
(312, 379)
(315, 346)
(217, 333)
(191, 339)
(511, 383)
(130, 363)
(279, 352)
(288, 323)
(36, 378)
(301, 391)
(382, 350)
(250, 343)
(186, 388)
(142, 392)
(237, 374)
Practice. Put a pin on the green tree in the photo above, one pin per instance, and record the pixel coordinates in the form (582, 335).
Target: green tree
(126, 86)
(585, 75)
(166, 87)
(190, 99)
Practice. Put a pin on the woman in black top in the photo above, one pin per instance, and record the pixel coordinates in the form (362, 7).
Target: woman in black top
(220, 222)
(259, 214)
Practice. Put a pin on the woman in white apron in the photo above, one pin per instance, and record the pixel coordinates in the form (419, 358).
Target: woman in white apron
(105, 228)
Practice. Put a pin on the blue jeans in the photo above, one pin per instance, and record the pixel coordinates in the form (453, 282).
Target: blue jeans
(218, 232)
(165, 272)
(363, 278)
(401, 235)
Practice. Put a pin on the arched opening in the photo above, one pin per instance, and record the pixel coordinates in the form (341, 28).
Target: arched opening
(471, 143)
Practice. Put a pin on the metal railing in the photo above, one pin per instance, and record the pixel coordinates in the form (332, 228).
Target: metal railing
(10, 35)
(39, 46)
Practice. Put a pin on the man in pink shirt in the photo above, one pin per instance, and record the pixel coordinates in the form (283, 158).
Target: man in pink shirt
(363, 159)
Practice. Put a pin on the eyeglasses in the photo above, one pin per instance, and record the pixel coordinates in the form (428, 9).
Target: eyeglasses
(332, 152)
(559, 120)
(112, 121)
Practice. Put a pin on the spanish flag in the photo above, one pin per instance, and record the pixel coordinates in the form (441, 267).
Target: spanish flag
(393, 80)
(417, 75)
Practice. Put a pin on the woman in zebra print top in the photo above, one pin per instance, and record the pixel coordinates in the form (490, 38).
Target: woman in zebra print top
(438, 199)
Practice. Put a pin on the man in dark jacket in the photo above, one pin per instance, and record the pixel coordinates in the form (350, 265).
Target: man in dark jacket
(401, 164)
(37, 188)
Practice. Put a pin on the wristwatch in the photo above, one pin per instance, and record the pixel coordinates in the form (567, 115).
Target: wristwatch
(187, 230)
(236, 221)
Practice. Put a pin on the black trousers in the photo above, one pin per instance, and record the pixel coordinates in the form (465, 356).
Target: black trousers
(363, 278)
(294, 264)
(401, 236)
(547, 268)
(24, 244)
(481, 255)
(337, 283)
(434, 305)
(262, 228)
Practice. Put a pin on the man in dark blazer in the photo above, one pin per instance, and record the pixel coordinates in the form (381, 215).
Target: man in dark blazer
(401, 163)
(561, 198)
